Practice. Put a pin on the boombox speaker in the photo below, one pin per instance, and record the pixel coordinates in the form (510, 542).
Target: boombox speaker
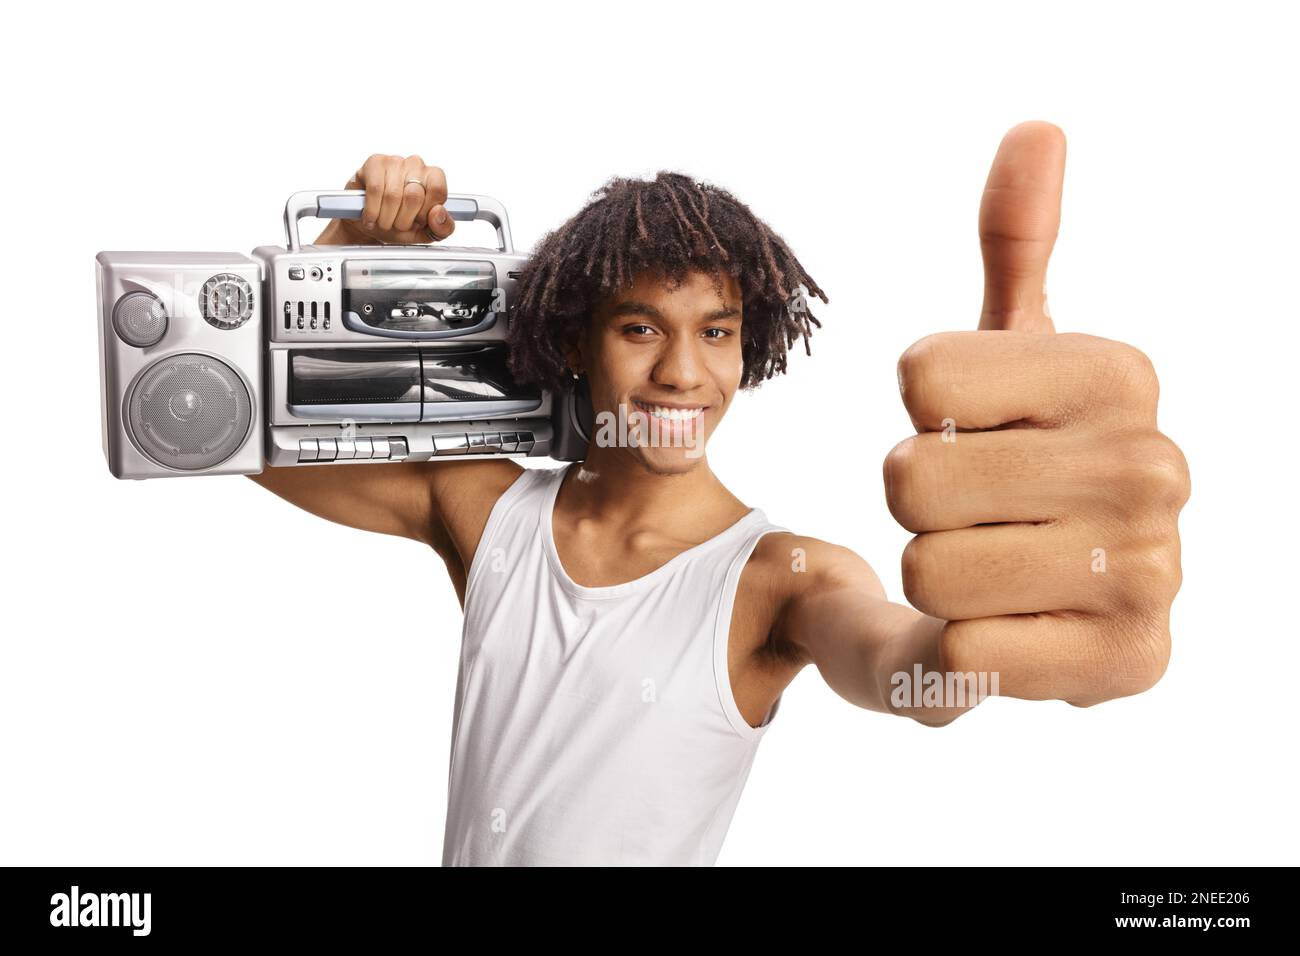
(189, 411)
(181, 363)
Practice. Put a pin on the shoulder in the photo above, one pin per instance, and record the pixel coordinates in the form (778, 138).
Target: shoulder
(799, 566)
(799, 575)
(783, 583)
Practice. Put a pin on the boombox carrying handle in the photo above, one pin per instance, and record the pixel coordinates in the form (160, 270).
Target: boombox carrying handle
(349, 204)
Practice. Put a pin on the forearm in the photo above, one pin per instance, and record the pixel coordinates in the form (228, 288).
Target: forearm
(390, 498)
(908, 648)
(874, 653)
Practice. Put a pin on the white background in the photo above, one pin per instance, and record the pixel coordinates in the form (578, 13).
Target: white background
(195, 672)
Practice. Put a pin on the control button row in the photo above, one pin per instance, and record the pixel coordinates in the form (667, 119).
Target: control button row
(487, 443)
(318, 320)
(367, 448)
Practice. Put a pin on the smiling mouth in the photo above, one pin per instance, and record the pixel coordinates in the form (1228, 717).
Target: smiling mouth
(670, 414)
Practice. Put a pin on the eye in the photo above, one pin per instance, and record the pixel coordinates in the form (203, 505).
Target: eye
(629, 328)
(725, 332)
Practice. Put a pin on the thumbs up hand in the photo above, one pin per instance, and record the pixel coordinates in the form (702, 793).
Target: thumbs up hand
(1043, 498)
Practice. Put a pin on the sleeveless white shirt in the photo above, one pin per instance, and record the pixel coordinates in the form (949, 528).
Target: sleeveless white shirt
(595, 725)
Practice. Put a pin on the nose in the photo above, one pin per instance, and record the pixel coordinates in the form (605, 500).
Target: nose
(679, 365)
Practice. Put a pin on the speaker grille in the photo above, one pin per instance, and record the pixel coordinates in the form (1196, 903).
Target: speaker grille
(226, 300)
(189, 411)
(140, 319)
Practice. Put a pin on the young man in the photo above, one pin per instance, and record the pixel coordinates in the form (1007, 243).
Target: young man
(630, 625)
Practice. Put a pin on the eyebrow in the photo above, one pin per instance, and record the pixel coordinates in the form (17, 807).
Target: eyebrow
(632, 307)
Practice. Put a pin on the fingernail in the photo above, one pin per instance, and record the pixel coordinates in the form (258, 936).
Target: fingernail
(370, 224)
(440, 217)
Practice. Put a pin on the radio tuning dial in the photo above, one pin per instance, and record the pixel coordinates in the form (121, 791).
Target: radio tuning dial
(227, 301)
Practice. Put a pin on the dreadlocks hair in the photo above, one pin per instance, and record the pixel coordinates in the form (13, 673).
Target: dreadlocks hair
(668, 226)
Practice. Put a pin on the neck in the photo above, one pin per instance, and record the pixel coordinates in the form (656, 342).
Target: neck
(617, 489)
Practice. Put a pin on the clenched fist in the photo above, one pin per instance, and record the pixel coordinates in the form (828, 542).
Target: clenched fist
(404, 204)
(1043, 497)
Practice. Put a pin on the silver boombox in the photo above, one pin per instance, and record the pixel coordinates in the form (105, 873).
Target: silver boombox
(222, 364)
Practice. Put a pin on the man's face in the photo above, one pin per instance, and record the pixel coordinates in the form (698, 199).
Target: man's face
(670, 360)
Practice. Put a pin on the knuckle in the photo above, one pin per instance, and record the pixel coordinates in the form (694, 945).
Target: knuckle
(1177, 476)
(898, 475)
(918, 571)
(437, 183)
(918, 358)
(1130, 659)
(1169, 477)
(1152, 575)
(1154, 469)
(1162, 564)
(1144, 662)
(1132, 373)
(921, 368)
(1141, 370)
(911, 479)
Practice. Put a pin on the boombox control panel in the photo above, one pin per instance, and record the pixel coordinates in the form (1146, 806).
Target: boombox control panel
(487, 443)
(352, 449)
(395, 448)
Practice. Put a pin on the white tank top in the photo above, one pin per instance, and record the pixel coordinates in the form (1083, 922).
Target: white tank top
(595, 725)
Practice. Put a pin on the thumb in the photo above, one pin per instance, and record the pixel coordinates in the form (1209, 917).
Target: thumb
(1019, 217)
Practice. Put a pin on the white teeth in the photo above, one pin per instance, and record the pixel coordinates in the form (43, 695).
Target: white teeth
(671, 414)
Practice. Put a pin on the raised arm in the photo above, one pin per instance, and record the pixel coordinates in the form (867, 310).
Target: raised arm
(442, 504)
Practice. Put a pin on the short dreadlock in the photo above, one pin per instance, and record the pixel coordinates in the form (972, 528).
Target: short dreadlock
(668, 226)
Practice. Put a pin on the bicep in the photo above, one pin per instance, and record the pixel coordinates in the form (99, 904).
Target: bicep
(834, 588)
